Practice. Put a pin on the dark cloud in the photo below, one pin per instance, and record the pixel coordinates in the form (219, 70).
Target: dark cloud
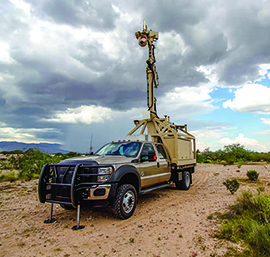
(248, 33)
(56, 92)
(171, 15)
(79, 136)
(33, 111)
(2, 101)
(117, 88)
(96, 14)
(233, 36)
(173, 75)
(107, 67)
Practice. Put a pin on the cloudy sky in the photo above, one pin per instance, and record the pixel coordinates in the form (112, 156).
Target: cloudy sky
(72, 69)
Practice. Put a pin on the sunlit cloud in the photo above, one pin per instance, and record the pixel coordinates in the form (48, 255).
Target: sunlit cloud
(265, 121)
(26, 135)
(253, 98)
(242, 140)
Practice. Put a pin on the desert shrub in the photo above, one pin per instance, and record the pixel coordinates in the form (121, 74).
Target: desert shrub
(11, 176)
(30, 163)
(237, 253)
(16, 162)
(260, 189)
(252, 175)
(259, 239)
(4, 165)
(254, 206)
(226, 232)
(250, 223)
(231, 185)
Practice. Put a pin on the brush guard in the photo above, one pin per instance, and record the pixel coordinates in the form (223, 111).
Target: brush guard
(70, 185)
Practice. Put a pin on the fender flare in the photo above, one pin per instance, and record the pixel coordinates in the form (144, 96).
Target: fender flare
(122, 171)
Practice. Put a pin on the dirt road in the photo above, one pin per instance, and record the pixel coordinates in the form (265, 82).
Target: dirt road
(166, 222)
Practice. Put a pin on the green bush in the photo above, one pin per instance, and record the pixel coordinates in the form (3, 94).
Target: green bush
(252, 175)
(11, 176)
(30, 163)
(236, 153)
(259, 239)
(4, 165)
(231, 185)
(250, 223)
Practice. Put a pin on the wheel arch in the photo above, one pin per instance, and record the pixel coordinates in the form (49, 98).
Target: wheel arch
(127, 174)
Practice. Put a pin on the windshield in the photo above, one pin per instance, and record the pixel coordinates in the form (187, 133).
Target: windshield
(128, 149)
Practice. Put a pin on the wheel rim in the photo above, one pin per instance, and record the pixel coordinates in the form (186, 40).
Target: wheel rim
(128, 201)
(187, 179)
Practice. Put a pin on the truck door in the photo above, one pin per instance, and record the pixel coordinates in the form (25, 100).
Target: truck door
(163, 164)
(147, 167)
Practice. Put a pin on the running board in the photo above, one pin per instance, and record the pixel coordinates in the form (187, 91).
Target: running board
(149, 189)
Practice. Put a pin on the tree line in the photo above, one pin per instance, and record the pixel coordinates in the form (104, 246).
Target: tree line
(231, 154)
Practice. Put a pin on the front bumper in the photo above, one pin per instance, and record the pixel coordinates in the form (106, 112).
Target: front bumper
(73, 184)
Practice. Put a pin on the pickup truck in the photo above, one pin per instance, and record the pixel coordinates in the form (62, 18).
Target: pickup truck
(115, 175)
(120, 171)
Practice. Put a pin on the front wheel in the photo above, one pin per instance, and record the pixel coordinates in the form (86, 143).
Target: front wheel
(125, 201)
(184, 184)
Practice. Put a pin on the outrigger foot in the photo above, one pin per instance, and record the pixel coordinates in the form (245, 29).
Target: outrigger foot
(50, 221)
(78, 226)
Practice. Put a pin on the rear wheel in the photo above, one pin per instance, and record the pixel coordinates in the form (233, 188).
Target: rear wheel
(184, 184)
(125, 201)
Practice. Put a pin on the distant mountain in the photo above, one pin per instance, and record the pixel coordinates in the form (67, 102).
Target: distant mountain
(44, 147)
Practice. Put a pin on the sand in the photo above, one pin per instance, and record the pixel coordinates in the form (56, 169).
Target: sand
(166, 222)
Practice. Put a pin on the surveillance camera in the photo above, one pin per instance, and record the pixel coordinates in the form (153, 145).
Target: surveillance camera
(142, 41)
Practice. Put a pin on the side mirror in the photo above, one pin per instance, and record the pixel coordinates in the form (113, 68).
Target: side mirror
(151, 156)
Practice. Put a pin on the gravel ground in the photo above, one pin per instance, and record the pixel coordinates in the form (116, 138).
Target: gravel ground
(166, 222)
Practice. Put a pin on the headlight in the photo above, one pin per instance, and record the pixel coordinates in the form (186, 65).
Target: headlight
(106, 171)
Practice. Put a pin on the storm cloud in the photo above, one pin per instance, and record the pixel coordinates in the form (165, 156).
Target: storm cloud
(56, 55)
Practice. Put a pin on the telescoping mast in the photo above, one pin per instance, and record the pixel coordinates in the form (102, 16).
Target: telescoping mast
(162, 130)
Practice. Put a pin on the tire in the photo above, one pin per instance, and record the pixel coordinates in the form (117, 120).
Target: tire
(125, 200)
(67, 207)
(184, 184)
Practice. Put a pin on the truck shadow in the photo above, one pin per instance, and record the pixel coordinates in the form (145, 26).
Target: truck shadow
(89, 215)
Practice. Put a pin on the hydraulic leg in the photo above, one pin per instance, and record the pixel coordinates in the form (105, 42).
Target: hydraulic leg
(78, 226)
(51, 219)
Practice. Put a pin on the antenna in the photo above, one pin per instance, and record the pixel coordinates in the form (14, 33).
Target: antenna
(91, 144)
(144, 26)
